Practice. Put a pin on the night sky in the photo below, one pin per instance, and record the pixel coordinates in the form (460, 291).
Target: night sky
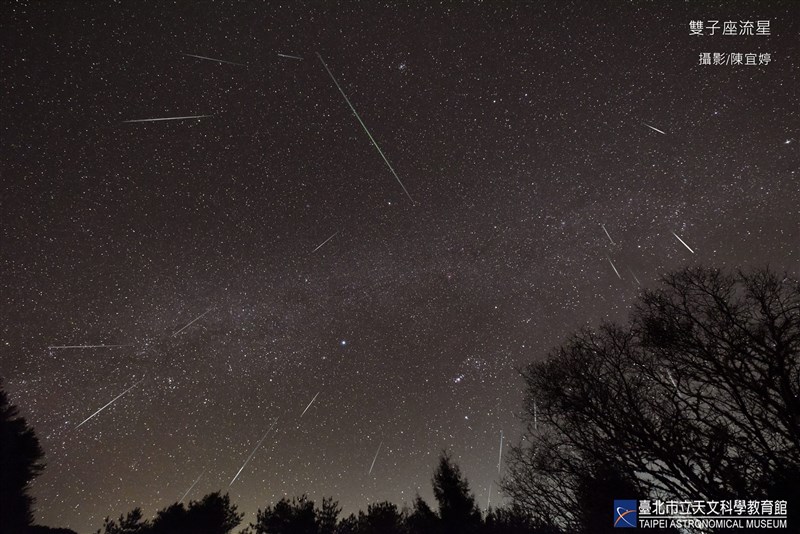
(522, 131)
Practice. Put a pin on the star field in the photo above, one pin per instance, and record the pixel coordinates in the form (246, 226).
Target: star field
(520, 130)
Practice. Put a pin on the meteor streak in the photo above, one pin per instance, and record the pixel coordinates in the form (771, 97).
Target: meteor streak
(634, 276)
(217, 60)
(684, 242)
(320, 245)
(192, 487)
(109, 404)
(654, 128)
(289, 56)
(375, 458)
(612, 266)
(365, 128)
(673, 381)
(309, 404)
(609, 235)
(252, 453)
(500, 459)
(191, 323)
(84, 346)
(169, 118)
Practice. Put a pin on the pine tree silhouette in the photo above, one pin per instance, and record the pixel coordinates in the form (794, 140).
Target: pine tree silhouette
(457, 509)
(20, 462)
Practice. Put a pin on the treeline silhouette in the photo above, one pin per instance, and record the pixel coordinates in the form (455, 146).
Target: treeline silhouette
(697, 397)
(457, 513)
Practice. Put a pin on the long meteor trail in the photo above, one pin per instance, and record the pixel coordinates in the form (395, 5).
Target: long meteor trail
(375, 458)
(289, 56)
(654, 128)
(365, 128)
(320, 245)
(309, 404)
(191, 322)
(609, 235)
(252, 453)
(84, 346)
(684, 242)
(109, 404)
(191, 487)
(615, 269)
(214, 59)
(169, 118)
(500, 459)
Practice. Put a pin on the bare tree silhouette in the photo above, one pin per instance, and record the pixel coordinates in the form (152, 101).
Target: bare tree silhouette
(697, 397)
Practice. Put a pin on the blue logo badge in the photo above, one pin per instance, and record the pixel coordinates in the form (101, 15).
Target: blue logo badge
(625, 514)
